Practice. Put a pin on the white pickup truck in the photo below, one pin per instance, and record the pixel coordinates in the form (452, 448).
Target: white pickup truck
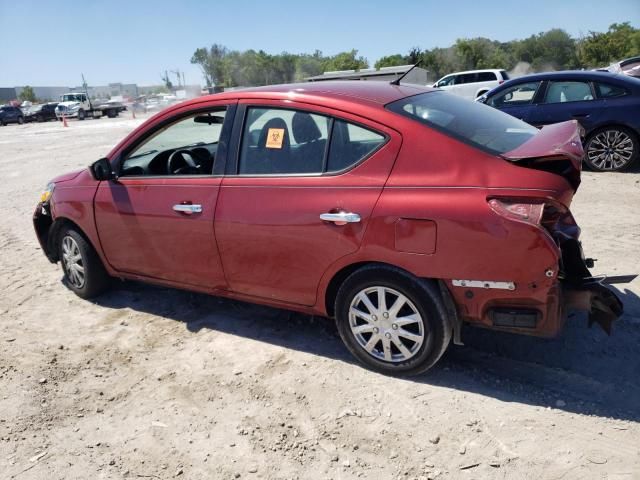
(78, 105)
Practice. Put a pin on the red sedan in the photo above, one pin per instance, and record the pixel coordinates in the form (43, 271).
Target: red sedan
(402, 212)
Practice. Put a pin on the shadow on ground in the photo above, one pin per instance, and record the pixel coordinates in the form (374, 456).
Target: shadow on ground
(583, 371)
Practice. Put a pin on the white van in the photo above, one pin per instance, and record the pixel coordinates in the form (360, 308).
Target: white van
(473, 83)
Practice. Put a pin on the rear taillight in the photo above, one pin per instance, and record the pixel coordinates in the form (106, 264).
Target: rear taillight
(552, 216)
(518, 211)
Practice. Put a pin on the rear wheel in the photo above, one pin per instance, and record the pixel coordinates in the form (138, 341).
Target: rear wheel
(80, 114)
(611, 149)
(112, 114)
(82, 268)
(391, 321)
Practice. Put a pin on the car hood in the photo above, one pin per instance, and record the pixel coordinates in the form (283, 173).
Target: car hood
(555, 148)
(67, 176)
(67, 104)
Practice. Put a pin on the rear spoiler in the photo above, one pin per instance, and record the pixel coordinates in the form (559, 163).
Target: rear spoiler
(555, 148)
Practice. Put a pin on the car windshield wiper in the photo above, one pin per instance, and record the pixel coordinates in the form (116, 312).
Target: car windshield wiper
(143, 154)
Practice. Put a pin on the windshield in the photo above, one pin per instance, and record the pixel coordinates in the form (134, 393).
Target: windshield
(471, 122)
(71, 98)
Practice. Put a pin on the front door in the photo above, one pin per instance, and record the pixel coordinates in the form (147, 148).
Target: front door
(156, 219)
(303, 189)
(518, 100)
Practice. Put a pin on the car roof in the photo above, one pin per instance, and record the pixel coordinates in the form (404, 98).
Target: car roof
(573, 75)
(354, 91)
(477, 71)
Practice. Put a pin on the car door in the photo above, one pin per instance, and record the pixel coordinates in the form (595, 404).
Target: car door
(156, 219)
(568, 100)
(299, 196)
(517, 100)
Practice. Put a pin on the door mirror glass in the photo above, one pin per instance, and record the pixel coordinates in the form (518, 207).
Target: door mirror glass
(101, 170)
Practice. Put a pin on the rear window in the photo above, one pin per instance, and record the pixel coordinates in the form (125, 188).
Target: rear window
(471, 122)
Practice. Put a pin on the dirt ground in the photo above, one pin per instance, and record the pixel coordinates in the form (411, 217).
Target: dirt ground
(149, 382)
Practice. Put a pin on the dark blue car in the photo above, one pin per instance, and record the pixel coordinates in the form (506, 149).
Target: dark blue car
(607, 105)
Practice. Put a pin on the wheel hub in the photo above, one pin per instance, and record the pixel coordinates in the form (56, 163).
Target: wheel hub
(386, 324)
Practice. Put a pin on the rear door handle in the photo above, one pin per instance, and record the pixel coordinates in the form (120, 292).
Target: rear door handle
(340, 218)
(187, 208)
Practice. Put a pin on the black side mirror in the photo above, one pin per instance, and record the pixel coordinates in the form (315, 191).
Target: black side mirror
(101, 170)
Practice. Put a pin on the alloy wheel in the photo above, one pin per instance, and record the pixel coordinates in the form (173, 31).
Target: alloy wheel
(610, 150)
(73, 263)
(386, 324)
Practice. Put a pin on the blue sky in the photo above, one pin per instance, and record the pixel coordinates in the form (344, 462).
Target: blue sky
(50, 43)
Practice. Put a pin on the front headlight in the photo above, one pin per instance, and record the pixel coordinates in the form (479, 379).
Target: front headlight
(45, 196)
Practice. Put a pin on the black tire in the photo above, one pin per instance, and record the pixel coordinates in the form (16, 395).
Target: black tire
(112, 113)
(95, 278)
(422, 296)
(611, 149)
(20, 120)
(81, 114)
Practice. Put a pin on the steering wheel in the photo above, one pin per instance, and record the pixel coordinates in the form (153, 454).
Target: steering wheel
(181, 161)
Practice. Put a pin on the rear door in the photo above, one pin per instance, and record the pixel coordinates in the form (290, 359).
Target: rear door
(294, 164)
(156, 219)
(568, 100)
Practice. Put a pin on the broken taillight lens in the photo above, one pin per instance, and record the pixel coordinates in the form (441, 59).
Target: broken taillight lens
(527, 212)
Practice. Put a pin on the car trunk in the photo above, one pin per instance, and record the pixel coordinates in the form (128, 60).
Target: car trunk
(557, 149)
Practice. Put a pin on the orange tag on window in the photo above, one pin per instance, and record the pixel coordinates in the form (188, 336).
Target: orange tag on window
(275, 137)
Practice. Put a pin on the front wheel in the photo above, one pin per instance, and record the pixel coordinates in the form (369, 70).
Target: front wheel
(80, 114)
(20, 120)
(611, 149)
(391, 321)
(82, 268)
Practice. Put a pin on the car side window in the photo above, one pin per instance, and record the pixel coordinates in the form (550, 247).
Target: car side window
(277, 141)
(606, 90)
(281, 141)
(570, 91)
(446, 81)
(187, 146)
(349, 144)
(521, 94)
(486, 77)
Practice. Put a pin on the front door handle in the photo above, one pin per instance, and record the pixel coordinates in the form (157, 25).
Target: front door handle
(187, 208)
(340, 218)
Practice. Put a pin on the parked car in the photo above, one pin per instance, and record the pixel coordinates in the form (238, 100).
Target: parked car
(605, 104)
(41, 113)
(10, 114)
(402, 212)
(473, 83)
(628, 66)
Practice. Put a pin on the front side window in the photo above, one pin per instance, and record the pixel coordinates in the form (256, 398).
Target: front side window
(278, 141)
(185, 147)
(447, 81)
(561, 92)
(521, 94)
(470, 122)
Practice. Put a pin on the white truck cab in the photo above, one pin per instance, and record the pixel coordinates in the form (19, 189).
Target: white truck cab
(472, 83)
(74, 105)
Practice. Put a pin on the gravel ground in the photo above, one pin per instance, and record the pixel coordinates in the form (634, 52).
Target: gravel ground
(150, 382)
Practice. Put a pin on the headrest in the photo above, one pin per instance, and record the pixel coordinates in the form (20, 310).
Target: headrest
(304, 128)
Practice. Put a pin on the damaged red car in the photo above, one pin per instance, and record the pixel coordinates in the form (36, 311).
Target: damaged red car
(403, 212)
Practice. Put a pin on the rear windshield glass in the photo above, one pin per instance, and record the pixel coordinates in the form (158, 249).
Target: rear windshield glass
(474, 123)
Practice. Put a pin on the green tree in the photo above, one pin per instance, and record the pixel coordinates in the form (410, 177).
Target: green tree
(346, 61)
(213, 63)
(619, 42)
(27, 94)
(391, 61)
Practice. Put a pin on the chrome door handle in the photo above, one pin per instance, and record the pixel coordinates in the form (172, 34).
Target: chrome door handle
(187, 208)
(340, 217)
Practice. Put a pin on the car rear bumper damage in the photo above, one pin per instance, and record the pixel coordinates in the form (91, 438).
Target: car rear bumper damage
(583, 291)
